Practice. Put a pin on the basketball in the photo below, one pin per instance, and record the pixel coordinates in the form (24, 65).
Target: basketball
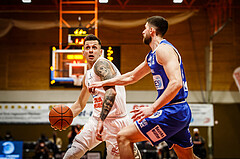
(61, 117)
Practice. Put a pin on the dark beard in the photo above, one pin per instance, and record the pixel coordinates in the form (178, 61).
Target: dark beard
(147, 40)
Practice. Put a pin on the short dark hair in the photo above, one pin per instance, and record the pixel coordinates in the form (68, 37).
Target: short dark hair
(160, 23)
(92, 37)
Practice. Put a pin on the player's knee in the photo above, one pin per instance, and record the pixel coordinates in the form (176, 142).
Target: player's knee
(119, 136)
(122, 138)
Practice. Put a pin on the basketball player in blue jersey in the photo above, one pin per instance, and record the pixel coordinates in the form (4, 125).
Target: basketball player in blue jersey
(168, 118)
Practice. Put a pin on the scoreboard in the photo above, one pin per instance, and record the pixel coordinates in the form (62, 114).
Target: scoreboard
(113, 54)
(76, 36)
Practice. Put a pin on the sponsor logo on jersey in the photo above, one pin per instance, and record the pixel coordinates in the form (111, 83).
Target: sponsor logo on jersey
(158, 82)
(156, 114)
(156, 134)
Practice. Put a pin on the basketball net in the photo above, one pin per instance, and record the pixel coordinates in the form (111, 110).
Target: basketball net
(77, 80)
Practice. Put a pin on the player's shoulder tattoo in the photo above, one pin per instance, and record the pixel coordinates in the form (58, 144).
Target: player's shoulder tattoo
(104, 69)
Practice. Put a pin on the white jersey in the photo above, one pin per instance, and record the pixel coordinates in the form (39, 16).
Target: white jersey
(119, 106)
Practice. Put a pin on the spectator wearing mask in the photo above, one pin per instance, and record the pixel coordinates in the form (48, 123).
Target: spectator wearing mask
(198, 144)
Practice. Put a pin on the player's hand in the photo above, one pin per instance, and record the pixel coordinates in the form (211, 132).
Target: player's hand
(95, 85)
(99, 130)
(55, 128)
(141, 113)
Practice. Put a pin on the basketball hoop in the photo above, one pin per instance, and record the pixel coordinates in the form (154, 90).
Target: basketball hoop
(76, 72)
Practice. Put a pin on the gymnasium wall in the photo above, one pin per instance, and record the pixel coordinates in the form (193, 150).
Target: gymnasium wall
(25, 53)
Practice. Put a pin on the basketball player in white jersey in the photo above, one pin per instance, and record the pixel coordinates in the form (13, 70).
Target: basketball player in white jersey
(109, 114)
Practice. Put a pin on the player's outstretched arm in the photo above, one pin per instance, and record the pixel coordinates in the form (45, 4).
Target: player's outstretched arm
(125, 79)
(81, 102)
(167, 57)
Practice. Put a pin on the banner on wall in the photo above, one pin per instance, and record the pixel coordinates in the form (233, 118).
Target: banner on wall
(236, 76)
(202, 114)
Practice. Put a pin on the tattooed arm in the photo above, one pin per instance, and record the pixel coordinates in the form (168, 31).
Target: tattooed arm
(105, 71)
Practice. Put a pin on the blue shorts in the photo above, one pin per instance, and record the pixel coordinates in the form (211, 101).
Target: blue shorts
(170, 124)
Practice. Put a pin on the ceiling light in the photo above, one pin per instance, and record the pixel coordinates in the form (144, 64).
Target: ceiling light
(177, 1)
(26, 1)
(103, 1)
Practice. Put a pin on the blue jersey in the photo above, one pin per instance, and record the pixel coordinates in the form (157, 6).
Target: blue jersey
(160, 78)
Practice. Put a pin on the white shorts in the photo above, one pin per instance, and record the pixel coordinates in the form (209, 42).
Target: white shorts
(86, 139)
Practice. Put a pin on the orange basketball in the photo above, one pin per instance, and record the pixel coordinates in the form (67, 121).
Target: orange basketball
(61, 117)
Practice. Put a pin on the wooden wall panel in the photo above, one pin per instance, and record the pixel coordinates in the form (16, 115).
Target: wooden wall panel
(225, 58)
(132, 56)
(27, 60)
(30, 73)
(226, 132)
(25, 51)
(3, 67)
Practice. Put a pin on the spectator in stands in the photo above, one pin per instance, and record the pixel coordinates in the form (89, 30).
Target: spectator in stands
(56, 140)
(164, 150)
(74, 131)
(43, 138)
(8, 136)
(148, 151)
(41, 150)
(56, 145)
(198, 144)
